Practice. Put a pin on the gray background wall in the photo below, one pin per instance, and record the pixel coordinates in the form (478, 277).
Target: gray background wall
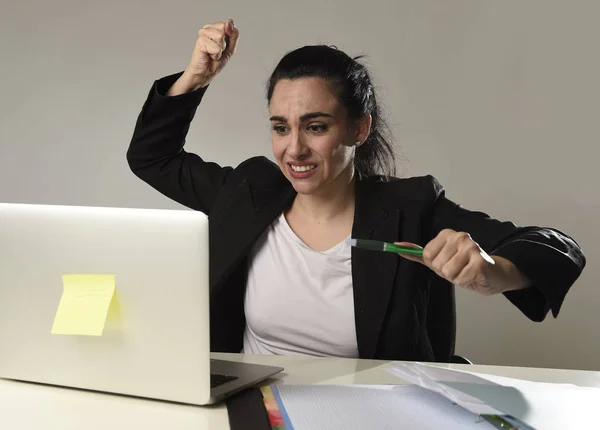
(498, 100)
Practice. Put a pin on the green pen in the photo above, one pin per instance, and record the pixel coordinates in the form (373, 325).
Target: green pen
(376, 245)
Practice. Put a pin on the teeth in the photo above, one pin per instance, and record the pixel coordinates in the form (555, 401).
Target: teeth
(302, 168)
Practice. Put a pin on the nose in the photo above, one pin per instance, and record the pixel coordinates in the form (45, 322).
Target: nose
(297, 147)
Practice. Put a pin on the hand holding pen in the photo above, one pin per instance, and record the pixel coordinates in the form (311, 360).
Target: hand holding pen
(456, 257)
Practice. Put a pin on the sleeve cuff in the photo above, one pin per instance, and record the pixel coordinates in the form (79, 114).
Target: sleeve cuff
(550, 277)
(162, 85)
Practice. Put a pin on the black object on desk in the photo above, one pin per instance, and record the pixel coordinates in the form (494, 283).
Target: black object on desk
(247, 411)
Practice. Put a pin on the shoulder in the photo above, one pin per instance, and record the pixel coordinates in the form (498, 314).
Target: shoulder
(261, 173)
(257, 165)
(421, 190)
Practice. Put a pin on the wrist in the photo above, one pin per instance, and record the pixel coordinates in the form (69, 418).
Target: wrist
(195, 81)
(187, 83)
(507, 276)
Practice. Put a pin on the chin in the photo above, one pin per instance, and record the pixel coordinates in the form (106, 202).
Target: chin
(304, 188)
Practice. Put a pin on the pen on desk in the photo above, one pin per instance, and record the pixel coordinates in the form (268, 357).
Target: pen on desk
(376, 245)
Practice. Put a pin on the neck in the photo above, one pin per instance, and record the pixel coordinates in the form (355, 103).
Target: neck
(329, 203)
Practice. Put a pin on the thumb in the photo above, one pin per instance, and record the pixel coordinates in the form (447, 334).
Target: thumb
(408, 256)
(233, 35)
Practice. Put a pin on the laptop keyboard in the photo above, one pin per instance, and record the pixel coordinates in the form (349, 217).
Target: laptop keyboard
(217, 379)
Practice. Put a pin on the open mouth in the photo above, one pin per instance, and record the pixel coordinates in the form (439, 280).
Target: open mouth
(302, 171)
(302, 168)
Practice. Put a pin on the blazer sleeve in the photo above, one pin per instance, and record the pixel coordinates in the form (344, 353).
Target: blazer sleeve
(156, 153)
(549, 258)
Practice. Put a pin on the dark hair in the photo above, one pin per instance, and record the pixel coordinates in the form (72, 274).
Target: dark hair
(351, 82)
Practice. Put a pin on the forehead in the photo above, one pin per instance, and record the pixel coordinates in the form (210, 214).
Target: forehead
(293, 98)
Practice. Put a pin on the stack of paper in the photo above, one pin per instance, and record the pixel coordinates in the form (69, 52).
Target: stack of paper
(359, 407)
(437, 398)
(539, 405)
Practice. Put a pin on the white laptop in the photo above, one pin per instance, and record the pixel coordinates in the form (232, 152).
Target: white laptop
(155, 341)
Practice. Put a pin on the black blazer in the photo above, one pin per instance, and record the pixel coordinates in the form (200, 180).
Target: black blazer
(403, 311)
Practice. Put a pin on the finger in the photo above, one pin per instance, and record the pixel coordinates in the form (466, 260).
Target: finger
(455, 266)
(456, 242)
(447, 233)
(219, 25)
(443, 256)
(413, 245)
(226, 27)
(216, 36)
(432, 249)
(233, 35)
(211, 48)
(408, 256)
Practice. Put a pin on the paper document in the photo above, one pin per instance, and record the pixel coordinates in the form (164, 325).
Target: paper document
(430, 377)
(541, 405)
(84, 304)
(537, 404)
(359, 407)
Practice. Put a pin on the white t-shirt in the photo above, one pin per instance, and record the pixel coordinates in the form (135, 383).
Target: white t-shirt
(299, 301)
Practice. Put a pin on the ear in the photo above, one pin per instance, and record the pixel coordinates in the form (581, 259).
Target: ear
(363, 128)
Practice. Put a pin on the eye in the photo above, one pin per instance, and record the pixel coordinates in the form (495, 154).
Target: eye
(317, 128)
(280, 129)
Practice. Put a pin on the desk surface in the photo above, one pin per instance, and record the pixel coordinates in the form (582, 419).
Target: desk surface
(31, 406)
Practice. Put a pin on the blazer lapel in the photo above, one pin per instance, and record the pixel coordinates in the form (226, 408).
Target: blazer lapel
(373, 273)
(249, 211)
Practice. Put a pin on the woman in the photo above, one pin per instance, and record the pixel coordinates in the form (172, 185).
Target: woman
(291, 284)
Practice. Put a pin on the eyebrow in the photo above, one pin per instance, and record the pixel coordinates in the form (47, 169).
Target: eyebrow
(305, 117)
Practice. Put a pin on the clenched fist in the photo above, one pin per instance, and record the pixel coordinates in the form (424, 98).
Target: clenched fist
(215, 46)
(454, 256)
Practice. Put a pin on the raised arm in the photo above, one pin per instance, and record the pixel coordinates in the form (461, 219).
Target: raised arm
(156, 153)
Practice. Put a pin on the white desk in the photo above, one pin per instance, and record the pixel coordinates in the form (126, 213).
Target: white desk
(29, 406)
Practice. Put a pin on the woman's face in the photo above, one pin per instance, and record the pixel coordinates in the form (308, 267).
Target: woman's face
(313, 138)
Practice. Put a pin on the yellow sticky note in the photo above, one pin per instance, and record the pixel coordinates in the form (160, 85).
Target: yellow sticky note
(84, 304)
